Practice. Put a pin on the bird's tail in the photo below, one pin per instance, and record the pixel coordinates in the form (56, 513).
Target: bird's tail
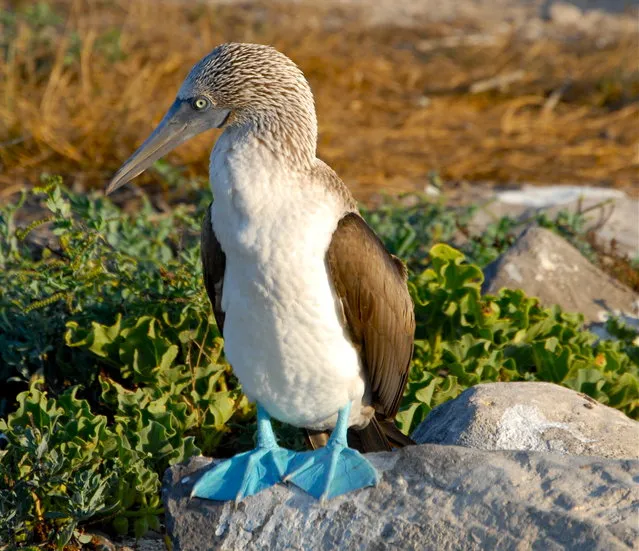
(378, 436)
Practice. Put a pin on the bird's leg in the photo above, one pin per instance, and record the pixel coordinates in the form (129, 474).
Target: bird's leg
(247, 473)
(334, 469)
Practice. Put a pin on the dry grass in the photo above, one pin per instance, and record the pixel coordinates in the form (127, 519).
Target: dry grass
(79, 94)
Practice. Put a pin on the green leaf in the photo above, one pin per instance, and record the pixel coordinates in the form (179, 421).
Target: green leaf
(84, 538)
(140, 526)
(100, 340)
(144, 351)
(64, 535)
(121, 525)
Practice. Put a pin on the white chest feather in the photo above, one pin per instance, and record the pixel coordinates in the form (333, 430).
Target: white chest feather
(282, 333)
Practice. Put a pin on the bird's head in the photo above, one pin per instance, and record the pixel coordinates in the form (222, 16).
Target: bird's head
(235, 85)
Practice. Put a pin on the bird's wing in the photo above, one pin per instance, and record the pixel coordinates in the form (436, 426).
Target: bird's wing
(378, 310)
(214, 264)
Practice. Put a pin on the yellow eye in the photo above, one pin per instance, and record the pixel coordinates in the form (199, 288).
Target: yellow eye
(200, 103)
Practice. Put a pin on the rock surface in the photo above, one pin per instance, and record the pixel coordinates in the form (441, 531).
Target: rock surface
(608, 213)
(548, 267)
(429, 497)
(613, 216)
(531, 416)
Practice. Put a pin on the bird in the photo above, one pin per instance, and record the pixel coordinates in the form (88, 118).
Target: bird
(316, 316)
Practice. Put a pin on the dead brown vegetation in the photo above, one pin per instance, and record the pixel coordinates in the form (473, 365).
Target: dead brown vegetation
(78, 94)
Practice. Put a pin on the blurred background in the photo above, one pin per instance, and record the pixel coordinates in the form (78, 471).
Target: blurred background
(410, 93)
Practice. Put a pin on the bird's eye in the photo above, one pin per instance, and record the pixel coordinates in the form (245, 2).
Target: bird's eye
(200, 103)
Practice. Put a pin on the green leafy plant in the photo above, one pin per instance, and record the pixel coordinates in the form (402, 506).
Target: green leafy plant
(115, 367)
(465, 338)
(411, 230)
(107, 322)
(61, 467)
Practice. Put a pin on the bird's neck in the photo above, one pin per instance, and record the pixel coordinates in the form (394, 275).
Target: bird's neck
(290, 134)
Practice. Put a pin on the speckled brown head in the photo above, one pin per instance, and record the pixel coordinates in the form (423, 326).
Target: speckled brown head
(248, 85)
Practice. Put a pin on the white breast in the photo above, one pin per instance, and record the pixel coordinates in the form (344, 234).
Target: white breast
(282, 333)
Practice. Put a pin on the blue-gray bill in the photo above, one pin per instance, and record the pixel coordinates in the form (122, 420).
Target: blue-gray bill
(181, 123)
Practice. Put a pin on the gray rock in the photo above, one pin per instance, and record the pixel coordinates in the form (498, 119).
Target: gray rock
(531, 416)
(548, 267)
(608, 213)
(430, 497)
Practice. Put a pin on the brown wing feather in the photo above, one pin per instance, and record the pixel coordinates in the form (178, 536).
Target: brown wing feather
(214, 264)
(371, 284)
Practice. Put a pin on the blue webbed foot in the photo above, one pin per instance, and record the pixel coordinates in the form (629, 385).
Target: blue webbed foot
(244, 475)
(247, 473)
(331, 471)
(334, 469)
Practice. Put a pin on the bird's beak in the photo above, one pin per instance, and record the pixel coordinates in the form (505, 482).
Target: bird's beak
(180, 124)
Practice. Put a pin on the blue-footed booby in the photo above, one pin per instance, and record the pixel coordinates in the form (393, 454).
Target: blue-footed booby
(316, 316)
